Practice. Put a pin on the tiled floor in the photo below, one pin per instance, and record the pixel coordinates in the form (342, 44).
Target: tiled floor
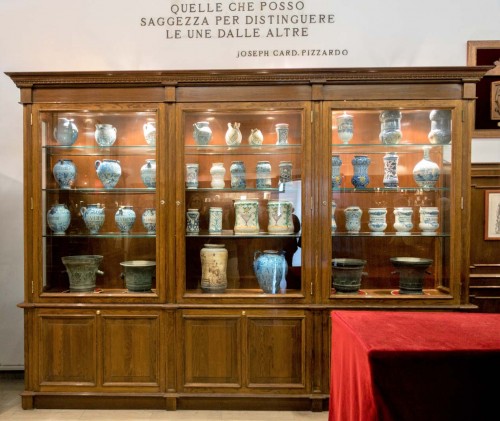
(10, 409)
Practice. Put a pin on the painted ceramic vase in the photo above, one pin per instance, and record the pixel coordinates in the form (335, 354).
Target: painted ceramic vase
(263, 171)
(282, 134)
(192, 221)
(93, 215)
(285, 168)
(149, 131)
(336, 176)
(82, 271)
(429, 220)
(238, 175)
(58, 218)
(148, 219)
(256, 137)
(411, 273)
(125, 218)
(138, 275)
(213, 268)
(192, 176)
(377, 220)
(105, 134)
(345, 128)
(66, 132)
(360, 178)
(64, 173)
(333, 222)
(217, 172)
(440, 133)
(202, 133)
(346, 275)
(280, 219)
(426, 172)
(109, 172)
(215, 220)
(353, 219)
(390, 127)
(148, 173)
(270, 268)
(391, 170)
(246, 217)
(403, 220)
(233, 134)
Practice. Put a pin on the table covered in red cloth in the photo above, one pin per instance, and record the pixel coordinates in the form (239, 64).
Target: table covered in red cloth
(421, 366)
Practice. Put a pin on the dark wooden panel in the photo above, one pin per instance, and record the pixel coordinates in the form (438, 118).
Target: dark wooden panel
(243, 93)
(99, 95)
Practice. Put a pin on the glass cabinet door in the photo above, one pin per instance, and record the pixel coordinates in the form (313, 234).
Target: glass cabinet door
(99, 201)
(392, 193)
(243, 197)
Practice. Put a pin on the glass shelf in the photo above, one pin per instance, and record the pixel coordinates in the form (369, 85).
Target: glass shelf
(96, 150)
(103, 235)
(97, 190)
(231, 234)
(390, 234)
(242, 149)
(389, 190)
(374, 148)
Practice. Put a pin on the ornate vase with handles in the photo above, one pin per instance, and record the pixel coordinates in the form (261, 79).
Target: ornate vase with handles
(256, 137)
(360, 178)
(336, 176)
(353, 219)
(238, 175)
(125, 218)
(233, 134)
(105, 134)
(391, 170)
(66, 132)
(149, 220)
(138, 275)
(109, 172)
(426, 172)
(213, 268)
(202, 133)
(217, 171)
(345, 128)
(148, 173)
(411, 273)
(280, 219)
(333, 222)
(377, 220)
(149, 131)
(93, 215)
(64, 173)
(270, 268)
(215, 220)
(58, 218)
(403, 223)
(390, 127)
(429, 220)
(282, 134)
(82, 271)
(192, 170)
(263, 170)
(192, 221)
(440, 133)
(246, 217)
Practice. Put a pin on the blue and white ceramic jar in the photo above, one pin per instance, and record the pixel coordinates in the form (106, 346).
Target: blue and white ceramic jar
(426, 172)
(270, 268)
(390, 127)
(280, 220)
(360, 178)
(202, 133)
(238, 175)
(403, 223)
(391, 170)
(149, 131)
(64, 173)
(148, 173)
(109, 172)
(377, 220)
(65, 132)
(282, 134)
(353, 219)
(58, 218)
(105, 134)
(336, 176)
(215, 220)
(263, 171)
(345, 128)
(192, 170)
(246, 219)
(440, 133)
(93, 216)
(192, 221)
(429, 220)
(125, 218)
(149, 220)
(285, 171)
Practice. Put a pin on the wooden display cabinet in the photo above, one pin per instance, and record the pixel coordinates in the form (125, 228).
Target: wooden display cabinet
(176, 346)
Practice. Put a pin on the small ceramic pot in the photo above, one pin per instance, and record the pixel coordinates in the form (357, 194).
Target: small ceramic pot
(233, 134)
(285, 171)
(65, 132)
(345, 128)
(238, 175)
(64, 173)
(192, 176)
(148, 173)
(213, 268)
(192, 221)
(215, 220)
(280, 217)
(217, 172)
(353, 219)
(282, 134)
(58, 218)
(138, 275)
(440, 133)
(263, 171)
(202, 133)
(105, 134)
(390, 127)
(93, 215)
(256, 137)
(429, 220)
(246, 217)
(360, 178)
(109, 172)
(403, 220)
(148, 219)
(125, 218)
(377, 220)
(149, 130)
(346, 275)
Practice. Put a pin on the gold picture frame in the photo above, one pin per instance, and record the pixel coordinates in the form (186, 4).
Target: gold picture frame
(492, 214)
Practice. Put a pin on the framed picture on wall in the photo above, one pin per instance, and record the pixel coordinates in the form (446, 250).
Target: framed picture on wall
(492, 215)
(487, 115)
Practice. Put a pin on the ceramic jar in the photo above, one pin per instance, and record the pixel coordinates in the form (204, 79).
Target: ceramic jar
(109, 172)
(360, 178)
(192, 176)
(391, 170)
(138, 275)
(411, 273)
(217, 172)
(426, 172)
(429, 220)
(353, 219)
(285, 168)
(64, 173)
(440, 133)
(148, 173)
(377, 220)
(93, 215)
(148, 219)
(65, 132)
(233, 134)
(336, 176)
(105, 134)
(58, 218)
(345, 128)
(213, 268)
(263, 171)
(280, 217)
(82, 271)
(125, 218)
(149, 131)
(256, 137)
(238, 175)
(246, 217)
(192, 221)
(403, 220)
(390, 127)
(333, 222)
(346, 275)
(202, 133)
(215, 220)
(270, 268)
(282, 134)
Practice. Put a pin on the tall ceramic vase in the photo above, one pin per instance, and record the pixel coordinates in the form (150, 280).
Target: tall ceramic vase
(58, 218)
(426, 172)
(360, 178)
(391, 170)
(65, 132)
(238, 175)
(64, 173)
(93, 215)
(125, 218)
(336, 176)
(148, 173)
(390, 127)
(270, 268)
(109, 172)
(353, 219)
(213, 268)
(440, 133)
(217, 172)
(345, 128)
(202, 133)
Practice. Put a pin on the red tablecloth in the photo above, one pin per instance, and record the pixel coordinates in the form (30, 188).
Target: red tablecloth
(418, 366)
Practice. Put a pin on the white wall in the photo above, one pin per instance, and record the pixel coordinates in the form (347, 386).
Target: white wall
(99, 35)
